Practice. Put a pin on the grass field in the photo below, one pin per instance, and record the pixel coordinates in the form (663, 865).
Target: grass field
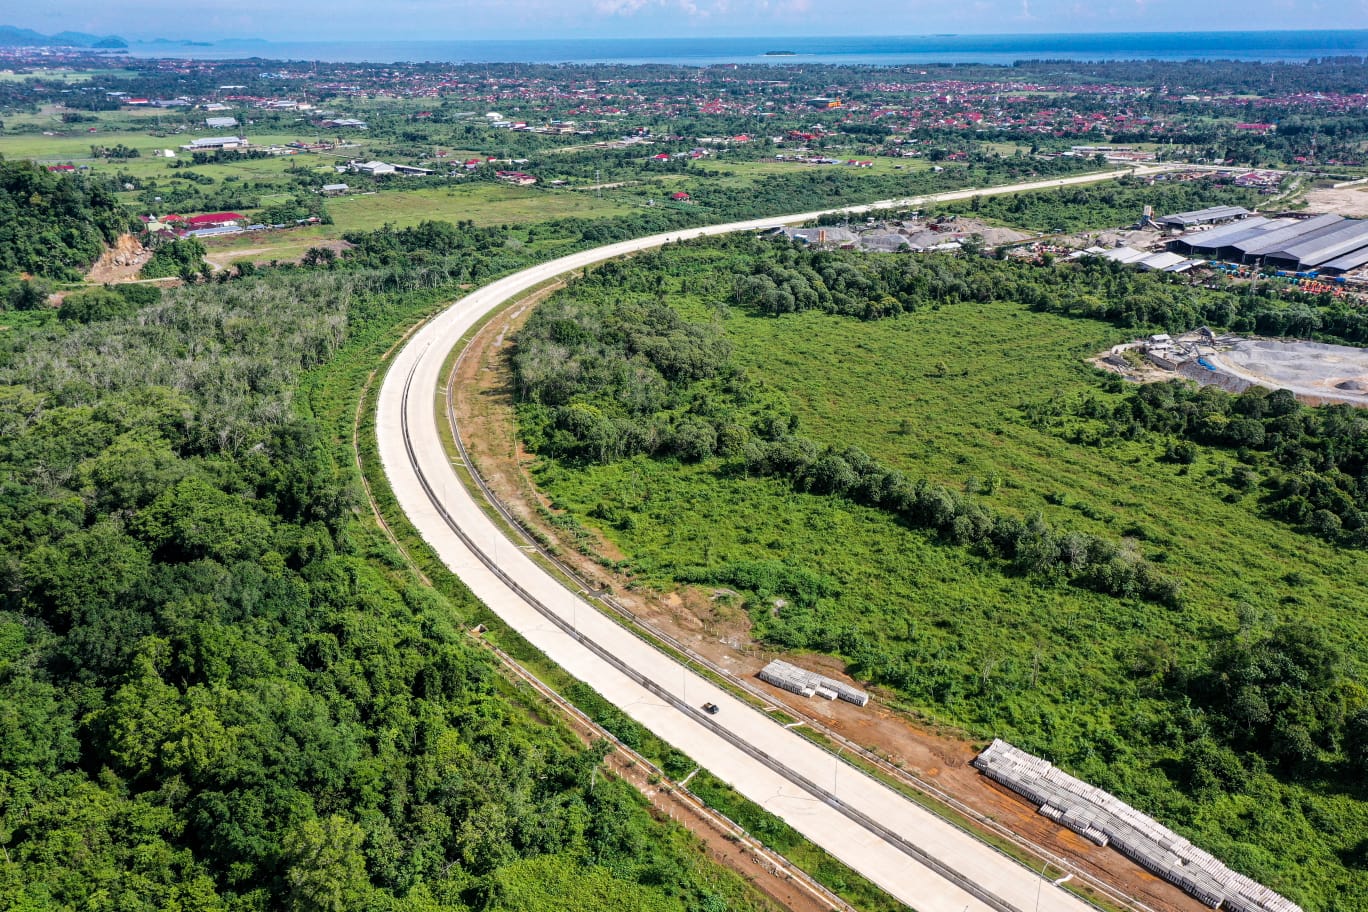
(483, 203)
(753, 170)
(401, 206)
(59, 74)
(948, 395)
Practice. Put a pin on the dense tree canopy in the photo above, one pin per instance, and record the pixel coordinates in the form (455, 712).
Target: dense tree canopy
(54, 225)
(212, 695)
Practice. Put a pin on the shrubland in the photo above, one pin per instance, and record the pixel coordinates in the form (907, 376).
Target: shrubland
(903, 461)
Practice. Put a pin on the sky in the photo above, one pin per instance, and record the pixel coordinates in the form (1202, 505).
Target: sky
(344, 20)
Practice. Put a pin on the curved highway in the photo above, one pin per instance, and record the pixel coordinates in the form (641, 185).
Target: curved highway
(915, 856)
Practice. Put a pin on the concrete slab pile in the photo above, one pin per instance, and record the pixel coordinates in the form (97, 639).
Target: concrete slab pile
(1106, 820)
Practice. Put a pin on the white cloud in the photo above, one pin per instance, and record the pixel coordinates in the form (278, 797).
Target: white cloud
(618, 7)
(694, 9)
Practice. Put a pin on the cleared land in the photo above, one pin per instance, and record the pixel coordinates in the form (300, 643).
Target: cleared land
(484, 204)
(1330, 373)
(1347, 201)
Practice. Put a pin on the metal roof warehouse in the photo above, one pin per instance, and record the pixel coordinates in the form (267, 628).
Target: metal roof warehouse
(1320, 248)
(1207, 216)
(1296, 245)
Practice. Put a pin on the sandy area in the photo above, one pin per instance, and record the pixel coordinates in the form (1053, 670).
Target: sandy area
(1349, 201)
(1314, 371)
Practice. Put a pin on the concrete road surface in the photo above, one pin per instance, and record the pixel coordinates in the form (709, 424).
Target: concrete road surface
(912, 854)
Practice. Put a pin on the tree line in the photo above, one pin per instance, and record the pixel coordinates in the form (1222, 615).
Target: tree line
(1083, 208)
(52, 226)
(603, 372)
(1307, 465)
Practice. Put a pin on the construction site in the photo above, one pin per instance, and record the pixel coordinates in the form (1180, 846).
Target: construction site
(1315, 372)
(809, 683)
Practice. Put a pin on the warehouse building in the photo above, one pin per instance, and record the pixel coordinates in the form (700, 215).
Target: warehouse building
(1329, 242)
(1106, 820)
(810, 684)
(1208, 243)
(217, 143)
(1254, 250)
(1321, 247)
(1346, 263)
(1213, 215)
(1150, 262)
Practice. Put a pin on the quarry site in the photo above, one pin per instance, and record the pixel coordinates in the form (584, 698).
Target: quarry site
(1316, 372)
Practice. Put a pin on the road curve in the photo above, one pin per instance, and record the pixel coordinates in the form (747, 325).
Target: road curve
(909, 852)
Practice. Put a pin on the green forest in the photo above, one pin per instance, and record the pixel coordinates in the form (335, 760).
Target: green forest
(52, 227)
(1313, 460)
(219, 687)
(904, 462)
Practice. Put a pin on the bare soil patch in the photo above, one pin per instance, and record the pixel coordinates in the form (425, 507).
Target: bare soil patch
(1347, 201)
(712, 623)
(120, 262)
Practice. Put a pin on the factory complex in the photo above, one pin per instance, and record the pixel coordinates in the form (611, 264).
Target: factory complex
(1326, 244)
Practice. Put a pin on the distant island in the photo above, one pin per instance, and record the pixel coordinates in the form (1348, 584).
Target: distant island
(12, 36)
(178, 42)
(781, 53)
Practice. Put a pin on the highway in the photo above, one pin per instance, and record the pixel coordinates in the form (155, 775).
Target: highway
(915, 856)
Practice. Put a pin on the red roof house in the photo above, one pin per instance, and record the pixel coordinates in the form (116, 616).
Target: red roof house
(214, 219)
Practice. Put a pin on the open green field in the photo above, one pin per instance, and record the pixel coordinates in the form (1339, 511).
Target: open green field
(75, 146)
(483, 203)
(753, 170)
(970, 423)
(60, 74)
(956, 395)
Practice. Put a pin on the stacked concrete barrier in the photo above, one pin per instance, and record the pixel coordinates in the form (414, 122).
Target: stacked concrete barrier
(810, 684)
(1106, 820)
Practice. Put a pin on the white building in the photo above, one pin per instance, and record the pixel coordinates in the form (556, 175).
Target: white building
(216, 143)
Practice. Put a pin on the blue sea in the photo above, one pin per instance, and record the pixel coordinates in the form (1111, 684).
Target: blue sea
(866, 50)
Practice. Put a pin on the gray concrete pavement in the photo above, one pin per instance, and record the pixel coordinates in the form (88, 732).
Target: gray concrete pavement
(912, 854)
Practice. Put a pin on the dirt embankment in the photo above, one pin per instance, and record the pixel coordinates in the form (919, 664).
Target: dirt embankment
(121, 262)
(719, 629)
